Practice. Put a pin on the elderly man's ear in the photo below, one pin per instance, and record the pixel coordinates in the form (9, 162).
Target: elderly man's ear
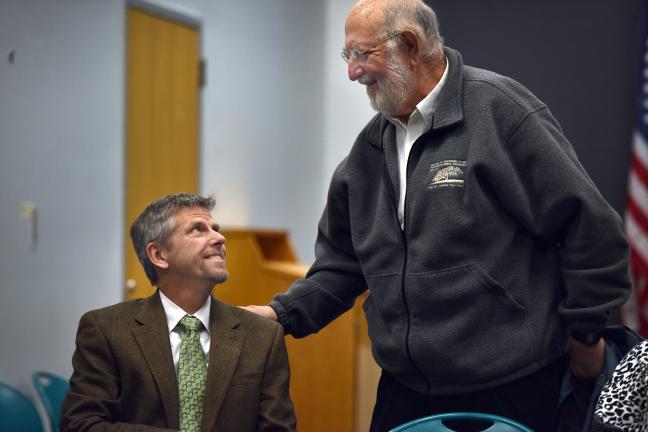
(157, 254)
(411, 44)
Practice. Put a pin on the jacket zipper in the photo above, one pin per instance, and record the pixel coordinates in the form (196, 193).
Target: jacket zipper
(404, 269)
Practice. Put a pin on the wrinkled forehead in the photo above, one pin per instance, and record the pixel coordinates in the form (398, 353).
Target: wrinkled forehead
(362, 25)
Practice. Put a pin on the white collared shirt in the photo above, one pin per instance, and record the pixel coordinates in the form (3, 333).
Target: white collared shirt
(174, 314)
(406, 134)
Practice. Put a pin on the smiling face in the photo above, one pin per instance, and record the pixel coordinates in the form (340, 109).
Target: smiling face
(389, 94)
(383, 71)
(195, 252)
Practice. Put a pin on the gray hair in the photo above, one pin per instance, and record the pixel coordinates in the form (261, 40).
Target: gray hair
(418, 17)
(157, 222)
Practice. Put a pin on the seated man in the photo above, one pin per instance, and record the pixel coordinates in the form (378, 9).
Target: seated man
(180, 359)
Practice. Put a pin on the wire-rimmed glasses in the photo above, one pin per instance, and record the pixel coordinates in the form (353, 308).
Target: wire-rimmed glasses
(360, 56)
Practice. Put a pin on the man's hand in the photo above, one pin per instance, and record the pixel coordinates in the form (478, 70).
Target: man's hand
(586, 361)
(264, 311)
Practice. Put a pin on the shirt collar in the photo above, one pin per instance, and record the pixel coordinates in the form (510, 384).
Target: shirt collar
(174, 313)
(426, 107)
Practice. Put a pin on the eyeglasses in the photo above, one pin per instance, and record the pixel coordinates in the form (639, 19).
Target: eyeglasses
(360, 56)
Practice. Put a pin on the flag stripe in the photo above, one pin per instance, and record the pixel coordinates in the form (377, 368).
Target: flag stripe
(638, 192)
(640, 218)
(637, 238)
(640, 148)
(635, 311)
(639, 170)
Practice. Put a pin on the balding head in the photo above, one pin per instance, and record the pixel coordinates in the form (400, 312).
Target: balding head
(393, 47)
(387, 17)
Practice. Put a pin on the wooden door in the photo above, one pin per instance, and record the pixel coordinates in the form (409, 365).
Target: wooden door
(162, 108)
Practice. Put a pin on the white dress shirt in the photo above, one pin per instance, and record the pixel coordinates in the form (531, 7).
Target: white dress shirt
(174, 314)
(406, 134)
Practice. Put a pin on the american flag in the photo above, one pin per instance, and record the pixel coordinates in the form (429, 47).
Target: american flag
(635, 312)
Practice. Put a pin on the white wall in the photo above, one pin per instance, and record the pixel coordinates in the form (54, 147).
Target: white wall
(277, 115)
(263, 126)
(262, 115)
(61, 138)
(346, 106)
(279, 112)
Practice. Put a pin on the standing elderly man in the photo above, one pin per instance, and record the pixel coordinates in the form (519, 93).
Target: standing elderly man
(491, 259)
(180, 359)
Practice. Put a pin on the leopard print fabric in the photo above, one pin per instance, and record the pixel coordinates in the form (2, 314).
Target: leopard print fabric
(623, 403)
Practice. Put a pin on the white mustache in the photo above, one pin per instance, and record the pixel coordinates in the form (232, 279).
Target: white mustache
(366, 79)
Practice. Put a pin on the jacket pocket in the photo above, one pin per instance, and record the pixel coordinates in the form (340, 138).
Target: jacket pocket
(465, 328)
(387, 347)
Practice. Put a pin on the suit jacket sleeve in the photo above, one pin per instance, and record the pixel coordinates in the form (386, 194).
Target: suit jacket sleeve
(93, 401)
(275, 408)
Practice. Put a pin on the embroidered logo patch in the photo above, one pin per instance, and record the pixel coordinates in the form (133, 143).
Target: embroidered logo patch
(448, 173)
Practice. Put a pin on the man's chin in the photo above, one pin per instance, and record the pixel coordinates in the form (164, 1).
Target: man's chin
(373, 101)
(378, 103)
(219, 277)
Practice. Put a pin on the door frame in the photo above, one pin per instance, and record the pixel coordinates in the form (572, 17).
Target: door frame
(166, 12)
(183, 17)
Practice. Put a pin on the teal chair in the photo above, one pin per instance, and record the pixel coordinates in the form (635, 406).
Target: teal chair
(435, 423)
(17, 412)
(51, 390)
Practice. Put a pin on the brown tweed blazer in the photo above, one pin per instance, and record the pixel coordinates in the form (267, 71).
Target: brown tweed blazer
(124, 378)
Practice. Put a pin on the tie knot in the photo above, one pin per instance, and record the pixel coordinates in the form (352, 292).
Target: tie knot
(190, 323)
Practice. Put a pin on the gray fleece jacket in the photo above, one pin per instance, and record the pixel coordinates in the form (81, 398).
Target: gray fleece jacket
(508, 245)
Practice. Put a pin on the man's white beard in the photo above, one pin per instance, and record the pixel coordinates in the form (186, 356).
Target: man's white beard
(391, 91)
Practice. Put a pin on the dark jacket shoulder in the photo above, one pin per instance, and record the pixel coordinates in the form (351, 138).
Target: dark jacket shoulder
(492, 87)
(130, 307)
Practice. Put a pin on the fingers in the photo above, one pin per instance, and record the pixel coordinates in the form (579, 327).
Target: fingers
(264, 311)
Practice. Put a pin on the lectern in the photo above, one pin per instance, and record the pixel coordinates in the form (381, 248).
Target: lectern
(333, 376)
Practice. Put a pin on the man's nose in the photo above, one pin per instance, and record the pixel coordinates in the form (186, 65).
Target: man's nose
(217, 238)
(354, 70)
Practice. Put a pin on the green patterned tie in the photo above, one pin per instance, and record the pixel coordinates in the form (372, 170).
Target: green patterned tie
(192, 375)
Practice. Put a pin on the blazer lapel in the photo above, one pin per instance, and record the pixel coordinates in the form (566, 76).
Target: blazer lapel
(224, 352)
(152, 336)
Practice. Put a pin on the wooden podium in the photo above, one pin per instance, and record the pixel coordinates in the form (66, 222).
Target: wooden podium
(333, 376)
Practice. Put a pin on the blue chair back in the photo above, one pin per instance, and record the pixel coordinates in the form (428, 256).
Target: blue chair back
(435, 423)
(51, 390)
(17, 412)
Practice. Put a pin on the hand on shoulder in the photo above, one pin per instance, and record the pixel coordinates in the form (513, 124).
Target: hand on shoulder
(264, 311)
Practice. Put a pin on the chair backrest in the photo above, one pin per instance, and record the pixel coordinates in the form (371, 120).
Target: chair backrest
(435, 423)
(17, 412)
(51, 389)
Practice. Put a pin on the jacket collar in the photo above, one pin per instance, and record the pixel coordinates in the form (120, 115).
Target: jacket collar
(449, 110)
